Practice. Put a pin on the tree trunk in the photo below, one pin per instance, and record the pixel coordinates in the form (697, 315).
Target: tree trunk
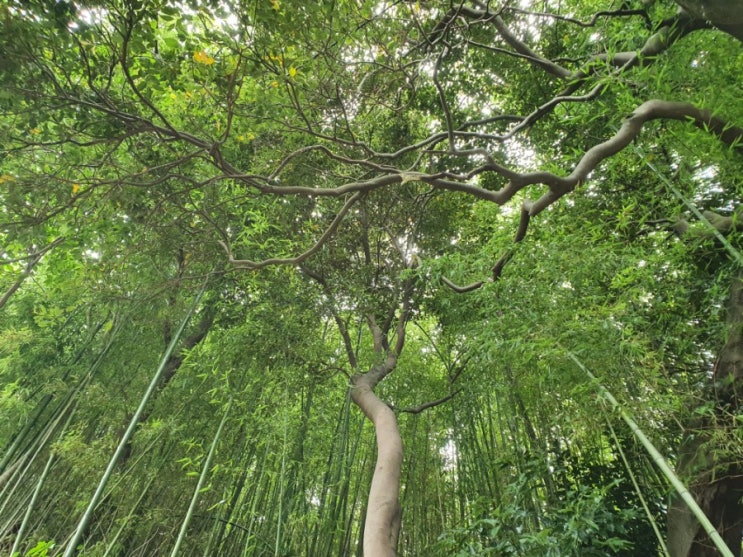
(171, 368)
(715, 479)
(383, 515)
(726, 15)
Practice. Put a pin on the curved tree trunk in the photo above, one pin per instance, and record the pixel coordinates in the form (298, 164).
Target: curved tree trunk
(383, 514)
(716, 485)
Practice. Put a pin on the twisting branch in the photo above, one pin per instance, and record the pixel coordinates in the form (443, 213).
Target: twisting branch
(427, 405)
(255, 265)
(630, 129)
(462, 289)
(669, 32)
(591, 22)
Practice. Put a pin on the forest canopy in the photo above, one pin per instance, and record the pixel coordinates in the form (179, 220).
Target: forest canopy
(371, 278)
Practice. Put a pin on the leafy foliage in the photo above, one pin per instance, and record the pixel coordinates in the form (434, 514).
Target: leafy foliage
(444, 196)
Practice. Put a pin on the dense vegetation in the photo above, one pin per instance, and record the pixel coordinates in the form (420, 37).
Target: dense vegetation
(340, 278)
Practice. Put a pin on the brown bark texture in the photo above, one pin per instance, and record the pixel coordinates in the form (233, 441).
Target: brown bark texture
(716, 479)
(383, 515)
(726, 15)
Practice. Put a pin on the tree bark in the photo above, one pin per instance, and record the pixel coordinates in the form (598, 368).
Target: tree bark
(726, 15)
(173, 365)
(716, 486)
(383, 516)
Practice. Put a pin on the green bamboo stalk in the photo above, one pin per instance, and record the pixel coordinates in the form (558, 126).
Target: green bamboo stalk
(632, 478)
(85, 520)
(200, 483)
(110, 547)
(27, 460)
(680, 488)
(254, 501)
(62, 407)
(246, 451)
(32, 503)
(351, 464)
(282, 480)
(693, 208)
(330, 478)
(125, 522)
(37, 490)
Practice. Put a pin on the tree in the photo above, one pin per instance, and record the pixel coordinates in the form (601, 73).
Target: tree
(339, 157)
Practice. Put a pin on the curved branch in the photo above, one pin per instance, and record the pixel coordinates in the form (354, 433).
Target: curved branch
(514, 42)
(559, 186)
(670, 31)
(462, 289)
(521, 47)
(591, 22)
(630, 129)
(431, 404)
(254, 265)
(549, 106)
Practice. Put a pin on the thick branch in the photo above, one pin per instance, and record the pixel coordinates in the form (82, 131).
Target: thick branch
(628, 132)
(725, 15)
(462, 289)
(630, 129)
(667, 34)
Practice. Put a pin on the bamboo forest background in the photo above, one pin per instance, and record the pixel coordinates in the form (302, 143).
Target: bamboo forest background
(216, 216)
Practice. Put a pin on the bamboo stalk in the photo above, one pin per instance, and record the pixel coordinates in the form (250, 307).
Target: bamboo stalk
(85, 520)
(680, 488)
(282, 483)
(632, 478)
(200, 483)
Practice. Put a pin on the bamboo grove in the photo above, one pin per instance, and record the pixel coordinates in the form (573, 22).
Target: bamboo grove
(371, 278)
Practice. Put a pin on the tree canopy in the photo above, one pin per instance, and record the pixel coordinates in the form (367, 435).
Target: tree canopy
(348, 277)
